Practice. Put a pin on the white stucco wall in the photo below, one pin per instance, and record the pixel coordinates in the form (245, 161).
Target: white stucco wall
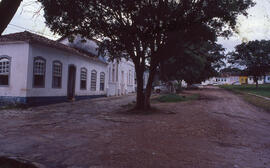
(267, 79)
(119, 85)
(221, 80)
(51, 54)
(119, 82)
(18, 52)
(252, 82)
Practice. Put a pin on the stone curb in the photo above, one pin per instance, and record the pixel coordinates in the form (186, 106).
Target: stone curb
(266, 98)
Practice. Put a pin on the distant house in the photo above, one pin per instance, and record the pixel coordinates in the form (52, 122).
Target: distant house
(252, 82)
(223, 79)
(34, 69)
(267, 79)
(243, 80)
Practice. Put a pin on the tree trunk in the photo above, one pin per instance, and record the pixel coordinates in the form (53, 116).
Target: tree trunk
(148, 91)
(143, 97)
(8, 9)
(256, 81)
(140, 93)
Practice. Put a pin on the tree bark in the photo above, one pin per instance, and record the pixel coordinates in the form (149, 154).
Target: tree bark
(140, 93)
(148, 91)
(8, 9)
(256, 81)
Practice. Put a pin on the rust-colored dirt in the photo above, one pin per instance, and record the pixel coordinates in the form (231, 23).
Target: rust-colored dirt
(218, 131)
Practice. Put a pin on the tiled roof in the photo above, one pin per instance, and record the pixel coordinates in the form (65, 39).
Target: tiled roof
(34, 38)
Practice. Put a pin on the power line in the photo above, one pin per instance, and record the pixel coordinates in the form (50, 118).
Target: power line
(36, 32)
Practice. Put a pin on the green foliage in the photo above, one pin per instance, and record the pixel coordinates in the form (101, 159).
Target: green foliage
(141, 28)
(254, 56)
(195, 65)
(263, 90)
(172, 98)
(8, 9)
(144, 31)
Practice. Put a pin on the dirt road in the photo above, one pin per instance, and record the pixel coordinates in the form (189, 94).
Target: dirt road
(218, 131)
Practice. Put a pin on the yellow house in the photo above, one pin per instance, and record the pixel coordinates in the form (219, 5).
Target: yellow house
(243, 80)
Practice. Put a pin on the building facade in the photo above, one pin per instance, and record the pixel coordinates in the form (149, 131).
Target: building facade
(34, 69)
(252, 82)
(267, 79)
(121, 80)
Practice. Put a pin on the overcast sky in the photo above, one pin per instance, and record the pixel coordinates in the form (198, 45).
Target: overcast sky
(255, 27)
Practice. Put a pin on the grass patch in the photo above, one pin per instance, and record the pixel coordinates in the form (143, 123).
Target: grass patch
(12, 106)
(257, 101)
(262, 90)
(243, 90)
(173, 98)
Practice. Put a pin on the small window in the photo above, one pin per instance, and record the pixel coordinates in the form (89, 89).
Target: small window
(102, 81)
(4, 71)
(129, 77)
(57, 74)
(83, 78)
(113, 74)
(93, 80)
(39, 72)
(135, 80)
(110, 78)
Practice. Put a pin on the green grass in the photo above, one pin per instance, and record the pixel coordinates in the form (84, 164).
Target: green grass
(243, 90)
(262, 90)
(257, 101)
(172, 98)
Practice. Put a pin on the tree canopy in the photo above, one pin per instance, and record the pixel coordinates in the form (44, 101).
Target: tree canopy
(254, 56)
(144, 31)
(196, 64)
(8, 9)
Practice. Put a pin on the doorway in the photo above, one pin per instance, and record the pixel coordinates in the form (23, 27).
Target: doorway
(71, 82)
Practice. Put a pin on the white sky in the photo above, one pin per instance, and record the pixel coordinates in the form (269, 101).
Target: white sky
(255, 27)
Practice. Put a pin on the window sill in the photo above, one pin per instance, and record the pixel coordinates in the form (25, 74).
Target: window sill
(36, 87)
(4, 86)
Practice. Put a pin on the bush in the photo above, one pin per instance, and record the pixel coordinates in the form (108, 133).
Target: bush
(171, 98)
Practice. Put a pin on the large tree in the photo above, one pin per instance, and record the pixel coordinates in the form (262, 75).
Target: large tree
(142, 30)
(254, 56)
(8, 9)
(196, 64)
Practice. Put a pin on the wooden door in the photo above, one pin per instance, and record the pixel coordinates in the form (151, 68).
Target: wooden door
(71, 82)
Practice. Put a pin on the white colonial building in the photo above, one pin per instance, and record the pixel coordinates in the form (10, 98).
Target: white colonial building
(121, 79)
(34, 69)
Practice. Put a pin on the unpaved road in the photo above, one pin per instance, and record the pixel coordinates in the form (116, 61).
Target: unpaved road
(218, 131)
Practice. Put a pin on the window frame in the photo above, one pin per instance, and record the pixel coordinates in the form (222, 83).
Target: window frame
(83, 68)
(104, 78)
(45, 62)
(9, 69)
(91, 88)
(57, 61)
